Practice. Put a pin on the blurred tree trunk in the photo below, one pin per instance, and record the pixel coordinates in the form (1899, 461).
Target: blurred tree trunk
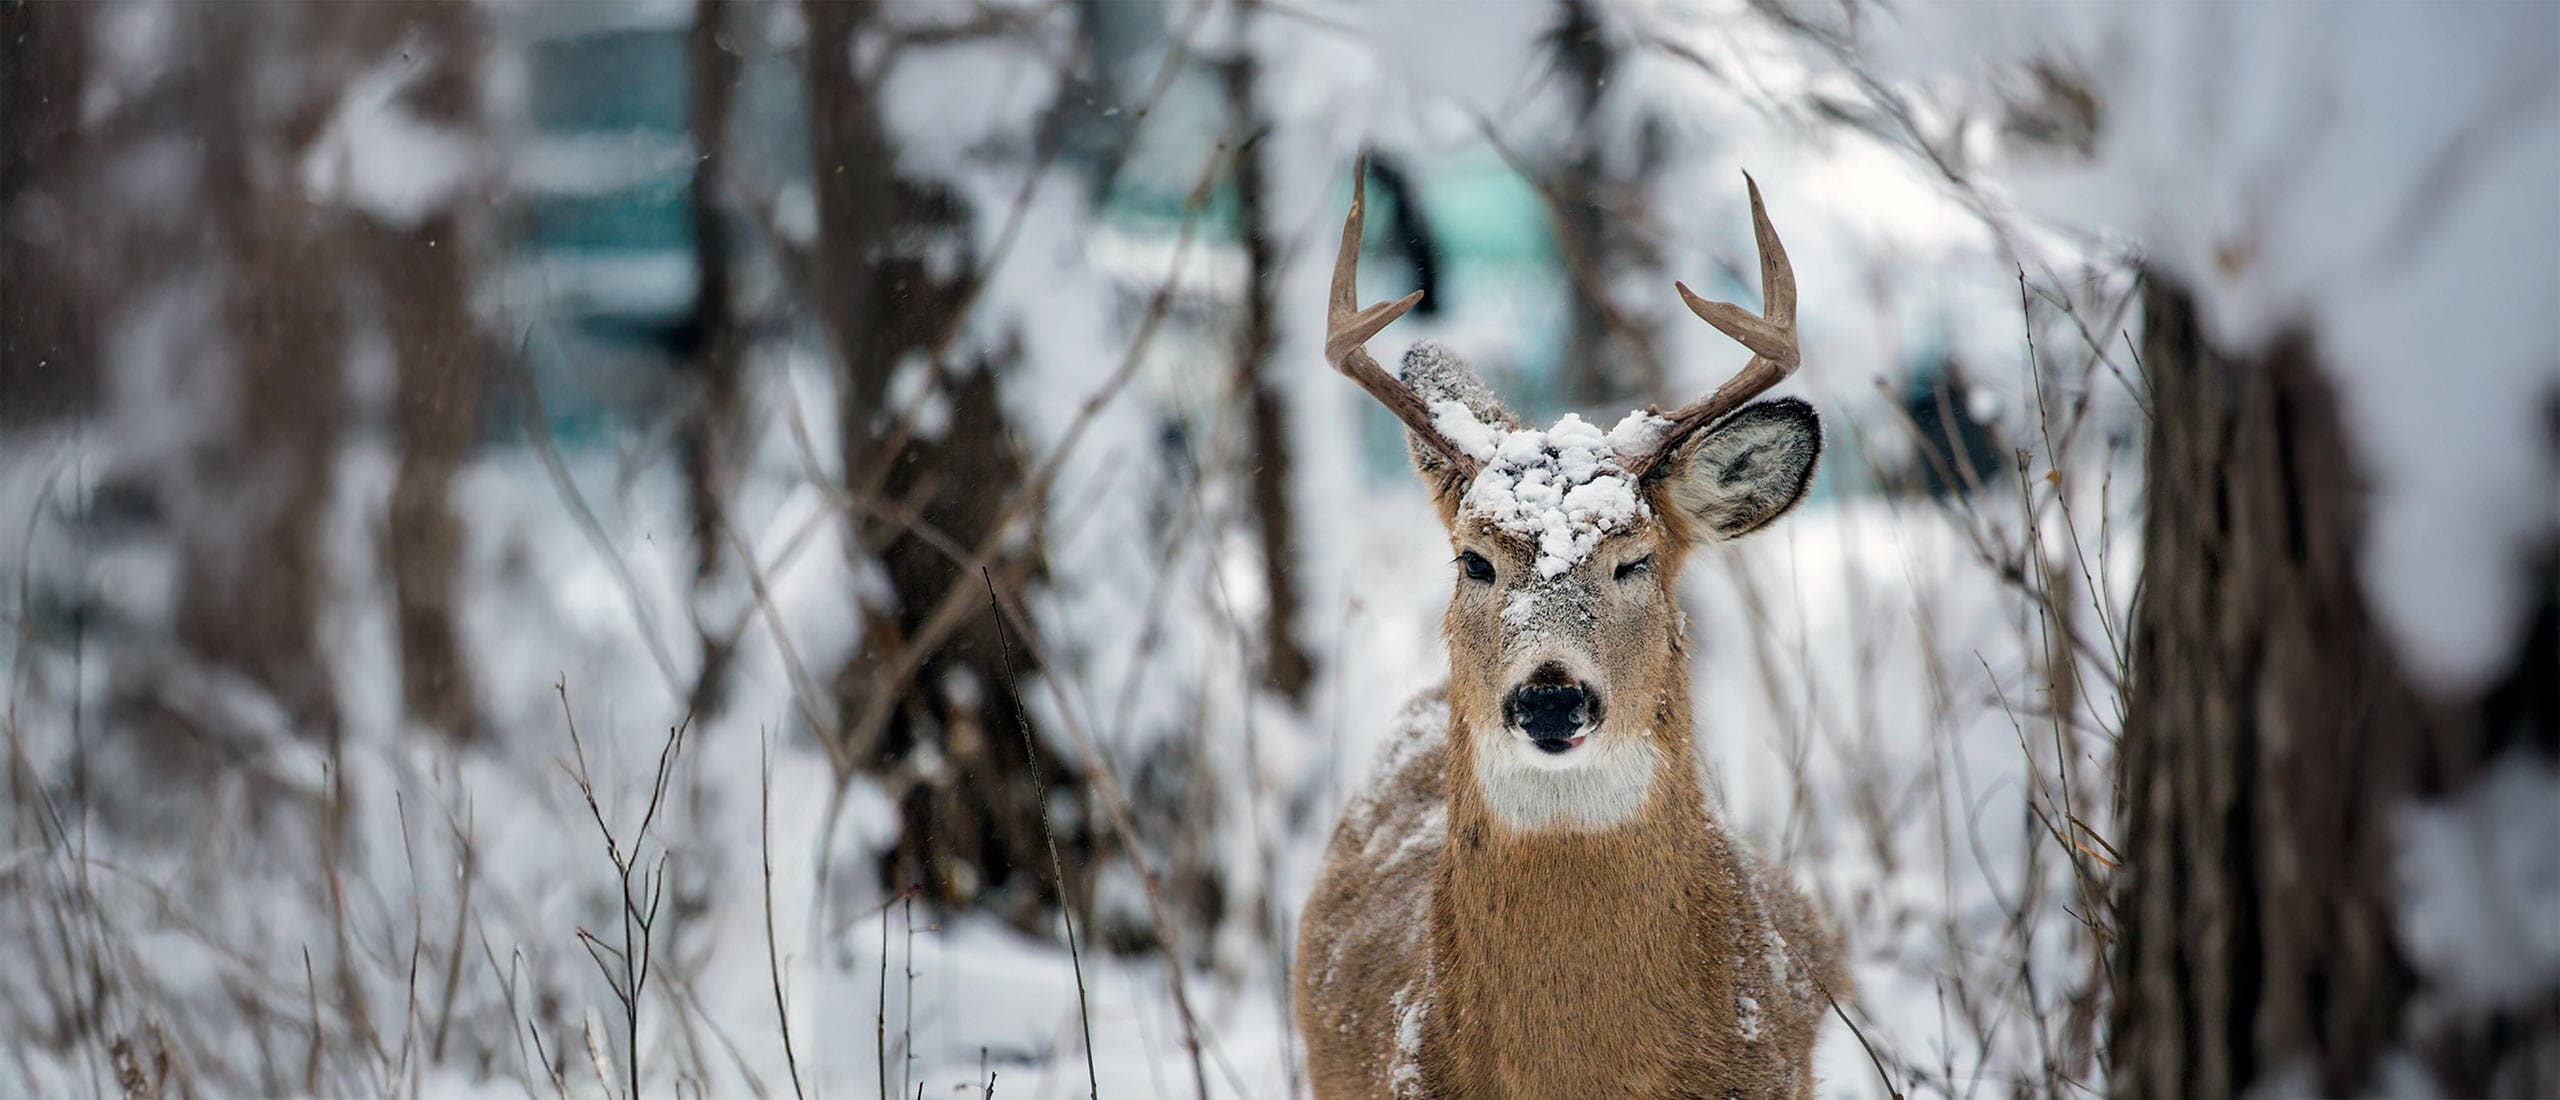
(711, 339)
(1609, 362)
(1286, 667)
(251, 508)
(47, 364)
(2272, 741)
(425, 276)
(928, 476)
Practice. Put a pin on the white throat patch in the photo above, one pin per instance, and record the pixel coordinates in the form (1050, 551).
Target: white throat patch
(1588, 789)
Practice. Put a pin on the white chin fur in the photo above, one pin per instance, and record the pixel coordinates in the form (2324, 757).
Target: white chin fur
(1599, 784)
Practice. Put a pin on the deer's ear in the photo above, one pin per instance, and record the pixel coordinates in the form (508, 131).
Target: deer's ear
(1747, 469)
(1437, 374)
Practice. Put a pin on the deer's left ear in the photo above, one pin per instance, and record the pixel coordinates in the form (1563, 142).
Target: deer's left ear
(1748, 469)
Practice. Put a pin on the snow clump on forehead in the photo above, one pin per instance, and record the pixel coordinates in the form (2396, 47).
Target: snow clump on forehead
(1564, 488)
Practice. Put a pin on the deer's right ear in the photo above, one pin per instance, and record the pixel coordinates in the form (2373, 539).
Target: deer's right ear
(1747, 469)
(1437, 374)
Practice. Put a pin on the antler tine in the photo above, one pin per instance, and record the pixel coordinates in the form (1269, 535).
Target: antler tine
(1770, 334)
(1348, 329)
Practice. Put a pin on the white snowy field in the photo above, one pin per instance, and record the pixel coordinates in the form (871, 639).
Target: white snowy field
(1909, 702)
(1871, 700)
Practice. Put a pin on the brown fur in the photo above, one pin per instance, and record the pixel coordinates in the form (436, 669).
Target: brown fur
(1447, 955)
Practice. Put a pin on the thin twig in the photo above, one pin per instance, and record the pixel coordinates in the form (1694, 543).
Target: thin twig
(1057, 869)
(634, 879)
(538, 429)
(772, 946)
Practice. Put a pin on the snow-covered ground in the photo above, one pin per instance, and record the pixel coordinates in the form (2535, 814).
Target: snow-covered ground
(1907, 701)
(1852, 665)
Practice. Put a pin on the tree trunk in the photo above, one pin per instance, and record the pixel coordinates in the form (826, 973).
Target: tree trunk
(2272, 741)
(442, 357)
(250, 507)
(46, 361)
(1286, 667)
(711, 340)
(424, 274)
(1608, 362)
(928, 476)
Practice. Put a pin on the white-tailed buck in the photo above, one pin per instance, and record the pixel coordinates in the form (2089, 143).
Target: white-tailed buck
(1532, 897)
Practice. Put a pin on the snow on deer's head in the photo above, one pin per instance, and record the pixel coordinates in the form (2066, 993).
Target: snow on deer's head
(1565, 637)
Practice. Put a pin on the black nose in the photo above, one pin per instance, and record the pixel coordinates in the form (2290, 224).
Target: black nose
(1549, 713)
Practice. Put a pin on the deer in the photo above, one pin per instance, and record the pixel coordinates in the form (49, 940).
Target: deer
(1531, 896)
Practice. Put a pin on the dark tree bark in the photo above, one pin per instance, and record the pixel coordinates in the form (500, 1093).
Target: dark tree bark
(47, 364)
(424, 275)
(1609, 362)
(442, 361)
(250, 510)
(949, 747)
(2272, 735)
(1286, 667)
(711, 336)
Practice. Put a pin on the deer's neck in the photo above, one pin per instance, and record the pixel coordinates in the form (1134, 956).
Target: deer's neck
(1557, 950)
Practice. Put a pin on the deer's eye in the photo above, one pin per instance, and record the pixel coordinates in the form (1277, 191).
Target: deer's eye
(1629, 570)
(1475, 566)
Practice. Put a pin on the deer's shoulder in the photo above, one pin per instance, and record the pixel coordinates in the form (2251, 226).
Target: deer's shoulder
(1406, 783)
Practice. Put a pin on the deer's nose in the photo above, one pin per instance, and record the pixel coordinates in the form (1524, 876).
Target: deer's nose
(1552, 715)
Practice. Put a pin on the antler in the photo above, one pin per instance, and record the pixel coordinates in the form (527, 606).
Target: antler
(1348, 329)
(1770, 334)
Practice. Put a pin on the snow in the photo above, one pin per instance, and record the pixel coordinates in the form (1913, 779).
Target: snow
(916, 398)
(1836, 656)
(1638, 433)
(2379, 176)
(969, 102)
(1478, 439)
(2479, 879)
(599, 164)
(378, 156)
(1412, 1007)
(542, 605)
(1561, 488)
(1477, 58)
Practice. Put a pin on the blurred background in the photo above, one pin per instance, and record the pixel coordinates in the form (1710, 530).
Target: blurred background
(720, 548)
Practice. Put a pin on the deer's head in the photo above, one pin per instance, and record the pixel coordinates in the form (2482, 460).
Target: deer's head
(1565, 636)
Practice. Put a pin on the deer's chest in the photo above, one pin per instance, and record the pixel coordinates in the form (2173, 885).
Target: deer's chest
(1558, 984)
